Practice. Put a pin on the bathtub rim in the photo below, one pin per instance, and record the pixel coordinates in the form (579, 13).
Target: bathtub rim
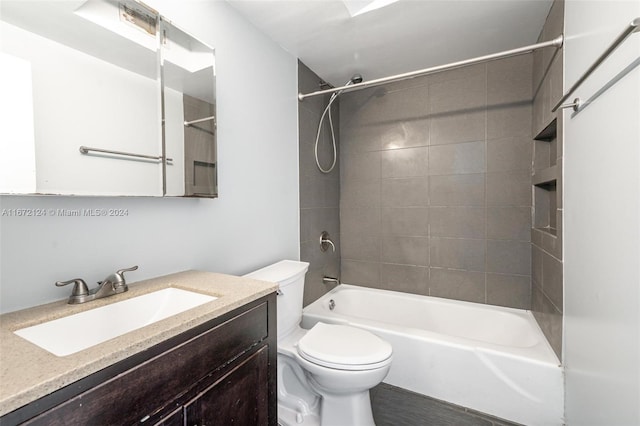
(540, 353)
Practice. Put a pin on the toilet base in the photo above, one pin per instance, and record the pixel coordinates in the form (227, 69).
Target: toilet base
(342, 410)
(291, 417)
(352, 410)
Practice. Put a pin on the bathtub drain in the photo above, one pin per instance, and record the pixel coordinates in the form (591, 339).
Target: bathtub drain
(332, 304)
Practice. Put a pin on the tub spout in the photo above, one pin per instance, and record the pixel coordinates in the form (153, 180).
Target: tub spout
(328, 280)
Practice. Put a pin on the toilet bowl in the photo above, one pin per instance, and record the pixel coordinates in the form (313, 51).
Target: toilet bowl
(325, 373)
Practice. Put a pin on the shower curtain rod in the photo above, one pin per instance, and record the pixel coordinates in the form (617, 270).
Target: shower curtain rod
(556, 42)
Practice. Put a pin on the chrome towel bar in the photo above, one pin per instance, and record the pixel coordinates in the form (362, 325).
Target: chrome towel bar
(87, 150)
(200, 120)
(633, 27)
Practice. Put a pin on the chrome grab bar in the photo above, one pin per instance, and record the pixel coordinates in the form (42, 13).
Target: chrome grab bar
(633, 27)
(87, 149)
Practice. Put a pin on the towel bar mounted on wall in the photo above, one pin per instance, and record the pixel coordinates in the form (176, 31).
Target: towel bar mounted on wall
(633, 27)
(87, 150)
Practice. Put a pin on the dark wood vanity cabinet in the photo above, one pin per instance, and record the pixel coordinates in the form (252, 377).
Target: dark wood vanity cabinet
(219, 373)
(239, 398)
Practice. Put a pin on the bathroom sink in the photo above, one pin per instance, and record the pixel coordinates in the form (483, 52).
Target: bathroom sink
(68, 335)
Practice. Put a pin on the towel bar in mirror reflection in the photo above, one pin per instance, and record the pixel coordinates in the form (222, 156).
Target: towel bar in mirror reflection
(88, 150)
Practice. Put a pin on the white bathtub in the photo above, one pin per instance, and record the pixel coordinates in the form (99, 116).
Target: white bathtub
(488, 358)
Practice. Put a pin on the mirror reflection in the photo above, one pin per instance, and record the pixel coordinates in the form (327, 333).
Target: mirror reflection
(190, 124)
(93, 82)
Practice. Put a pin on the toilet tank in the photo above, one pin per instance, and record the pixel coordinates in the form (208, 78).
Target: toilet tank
(289, 275)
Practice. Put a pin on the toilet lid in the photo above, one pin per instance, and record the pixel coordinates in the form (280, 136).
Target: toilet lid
(343, 347)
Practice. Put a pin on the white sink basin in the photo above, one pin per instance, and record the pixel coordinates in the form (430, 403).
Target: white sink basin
(68, 335)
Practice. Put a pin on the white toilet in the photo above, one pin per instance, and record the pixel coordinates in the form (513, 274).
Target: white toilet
(325, 373)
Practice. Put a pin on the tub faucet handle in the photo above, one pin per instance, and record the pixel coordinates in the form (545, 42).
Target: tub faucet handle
(325, 242)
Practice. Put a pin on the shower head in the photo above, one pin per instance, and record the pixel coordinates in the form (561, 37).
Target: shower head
(355, 79)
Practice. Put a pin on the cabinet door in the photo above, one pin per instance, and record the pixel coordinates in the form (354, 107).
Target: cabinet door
(238, 398)
(174, 419)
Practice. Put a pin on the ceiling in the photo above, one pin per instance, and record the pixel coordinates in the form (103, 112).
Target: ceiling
(95, 28)
(404, 36)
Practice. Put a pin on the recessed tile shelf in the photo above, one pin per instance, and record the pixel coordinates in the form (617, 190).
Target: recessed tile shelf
(545, 206)
(548, 230)
(548, 133)
(545, 177)
(545, 180)
(546, 142)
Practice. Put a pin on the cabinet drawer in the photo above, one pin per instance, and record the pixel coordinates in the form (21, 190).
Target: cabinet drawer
(148, 388)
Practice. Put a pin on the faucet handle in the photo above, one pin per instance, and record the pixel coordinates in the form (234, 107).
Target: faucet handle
(117, 279)
(79, 289)
(325, 242)
(122, 271)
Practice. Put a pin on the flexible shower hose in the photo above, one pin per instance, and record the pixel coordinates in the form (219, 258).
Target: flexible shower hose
(333, 136)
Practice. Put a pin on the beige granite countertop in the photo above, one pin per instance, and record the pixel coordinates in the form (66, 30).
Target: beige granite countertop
(29, 372)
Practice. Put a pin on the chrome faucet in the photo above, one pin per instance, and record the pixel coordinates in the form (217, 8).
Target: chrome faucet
(113, 284)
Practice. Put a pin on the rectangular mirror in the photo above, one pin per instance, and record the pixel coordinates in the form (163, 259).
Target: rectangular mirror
(105, 92)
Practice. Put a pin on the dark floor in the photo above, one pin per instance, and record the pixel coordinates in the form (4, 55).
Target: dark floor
(393, 406)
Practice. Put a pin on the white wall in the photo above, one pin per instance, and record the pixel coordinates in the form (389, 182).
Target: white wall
(254, 222)
(602, 215)
(17, 146)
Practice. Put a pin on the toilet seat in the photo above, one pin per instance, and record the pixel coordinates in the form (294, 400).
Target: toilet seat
(344, 348)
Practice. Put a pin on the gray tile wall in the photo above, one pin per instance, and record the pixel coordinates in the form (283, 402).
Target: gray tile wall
(319, 193)
(436, 184)
(547, 259)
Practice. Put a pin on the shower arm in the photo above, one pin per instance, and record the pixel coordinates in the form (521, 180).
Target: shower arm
(556, 42)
